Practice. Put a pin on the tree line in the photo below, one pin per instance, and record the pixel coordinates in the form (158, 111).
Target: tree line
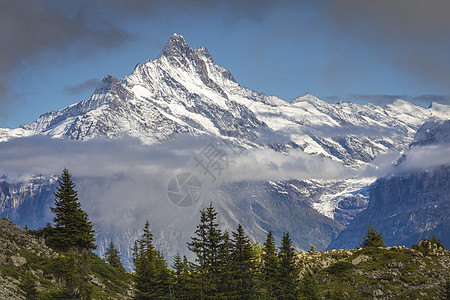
(226, 266)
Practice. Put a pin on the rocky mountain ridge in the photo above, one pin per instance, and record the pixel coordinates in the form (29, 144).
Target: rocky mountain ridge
(26, 261)
(410, 205)
(185, 91)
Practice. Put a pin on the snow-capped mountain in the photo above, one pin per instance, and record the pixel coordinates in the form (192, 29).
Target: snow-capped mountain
(185, 91)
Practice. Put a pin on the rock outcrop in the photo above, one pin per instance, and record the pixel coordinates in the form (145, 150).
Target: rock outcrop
(28, 265)
(398, 272)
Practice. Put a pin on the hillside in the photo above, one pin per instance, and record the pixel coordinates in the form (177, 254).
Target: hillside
(27, 265)
(419, 272)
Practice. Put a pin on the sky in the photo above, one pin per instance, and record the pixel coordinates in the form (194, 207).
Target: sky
(53, 53)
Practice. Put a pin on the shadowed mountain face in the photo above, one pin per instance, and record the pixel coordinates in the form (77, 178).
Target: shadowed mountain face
(405, 209)
(408, 207)
(185, 93)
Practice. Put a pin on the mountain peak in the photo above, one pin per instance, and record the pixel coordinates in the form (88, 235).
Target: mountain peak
(107, 83)
(176, 46)
(305, 98)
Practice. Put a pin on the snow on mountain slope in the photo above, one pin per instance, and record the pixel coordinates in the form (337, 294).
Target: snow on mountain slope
(185, 91)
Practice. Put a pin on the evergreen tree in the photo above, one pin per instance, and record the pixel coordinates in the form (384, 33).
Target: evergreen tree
(243, 260)
(270, 267)
(182, 288)
(309, 289)
(152, 277)
(28, 285)
(113, 257)
(288, 282)
(73, 270)
(207, 245)
(225, 284)
(73, 228)
(437, 241)
(372, 239)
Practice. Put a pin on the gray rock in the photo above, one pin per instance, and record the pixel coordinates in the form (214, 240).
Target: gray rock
(359, 259)
(17, 261)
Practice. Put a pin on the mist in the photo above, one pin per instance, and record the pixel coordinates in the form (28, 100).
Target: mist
(122, 183)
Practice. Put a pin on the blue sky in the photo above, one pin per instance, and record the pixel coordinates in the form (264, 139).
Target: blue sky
(54, 52)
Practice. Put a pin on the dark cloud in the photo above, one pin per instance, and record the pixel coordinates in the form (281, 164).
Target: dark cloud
(375, 99)
(82, 87)
(35, 31)
(413, 33)
(428, 99)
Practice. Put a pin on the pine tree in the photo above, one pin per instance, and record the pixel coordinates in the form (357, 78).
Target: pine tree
(28, 285)
(178, 284)
(372, 239)
(288, 272)
(113, 257)
(152, 277)
(225, 276)
(207, 245)
(437, 241)
(243, 260)
(270, 267)
(309, 289)
(73, 228)
(182, 288)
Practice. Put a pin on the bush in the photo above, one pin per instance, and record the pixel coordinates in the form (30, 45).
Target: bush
(339, 268)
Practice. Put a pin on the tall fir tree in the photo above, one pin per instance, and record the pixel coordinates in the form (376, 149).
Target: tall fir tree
(72, 226)
(152, 277)
(270, 268)
(309, 289)
(373, 239)
(225, 283)
(206, 245)
(112, 256)
(288, 275)
(182, 282)
(244, 266)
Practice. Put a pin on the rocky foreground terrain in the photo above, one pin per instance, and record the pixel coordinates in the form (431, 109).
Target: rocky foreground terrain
(31, 270)
(27, 265)
(419, 272)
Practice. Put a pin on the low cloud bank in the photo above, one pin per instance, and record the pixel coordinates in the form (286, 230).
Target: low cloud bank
(422, 158)
(122, 182)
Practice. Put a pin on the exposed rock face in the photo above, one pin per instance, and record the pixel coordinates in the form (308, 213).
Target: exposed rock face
(13, 239)
(28, 202)
(405, 209)
(408, 207)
